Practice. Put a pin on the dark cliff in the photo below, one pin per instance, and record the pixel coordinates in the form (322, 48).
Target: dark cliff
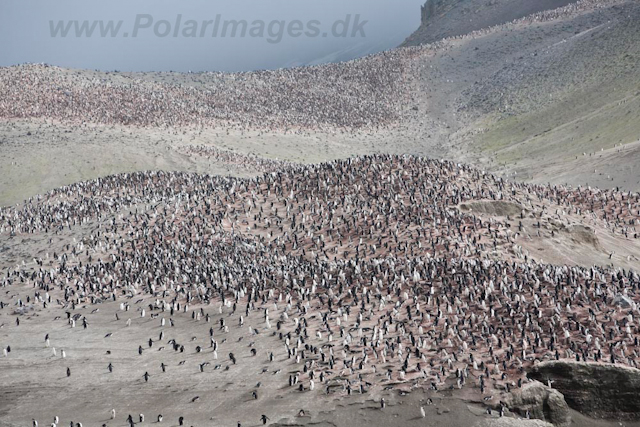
(449, 18)
(597, 390)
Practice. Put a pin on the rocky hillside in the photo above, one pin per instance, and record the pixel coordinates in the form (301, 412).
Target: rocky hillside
(450, 18)
(550, 98)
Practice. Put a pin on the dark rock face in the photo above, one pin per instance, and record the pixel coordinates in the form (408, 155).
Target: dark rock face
(541, 402)
(596, 390)
(431, 7)
(450, 18)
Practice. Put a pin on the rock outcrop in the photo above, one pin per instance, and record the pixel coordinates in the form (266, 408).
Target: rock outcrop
(594, 389)
(624, 301)
(541, 402)
(450, 18)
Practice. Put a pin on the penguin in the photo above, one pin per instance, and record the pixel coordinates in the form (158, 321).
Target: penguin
(159, 418)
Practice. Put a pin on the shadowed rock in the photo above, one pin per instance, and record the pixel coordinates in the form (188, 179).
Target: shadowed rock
(450, 18)
(624, 301)
(542, 403)
(597, 390)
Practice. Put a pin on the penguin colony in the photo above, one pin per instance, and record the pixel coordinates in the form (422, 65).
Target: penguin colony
(364, 274)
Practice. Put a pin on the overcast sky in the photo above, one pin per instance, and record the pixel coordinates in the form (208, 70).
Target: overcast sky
(197, 35)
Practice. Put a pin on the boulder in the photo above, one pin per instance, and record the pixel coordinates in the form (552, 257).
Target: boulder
(25, 309)
(623, 301)
(598, 390)
(541, 402)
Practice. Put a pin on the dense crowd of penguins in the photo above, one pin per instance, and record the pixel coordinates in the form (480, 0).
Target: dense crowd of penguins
(244, 162)
(366, 268)
(365, 92)
(371, 92)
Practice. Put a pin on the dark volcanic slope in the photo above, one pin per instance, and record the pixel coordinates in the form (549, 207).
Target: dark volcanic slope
(457, 17)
